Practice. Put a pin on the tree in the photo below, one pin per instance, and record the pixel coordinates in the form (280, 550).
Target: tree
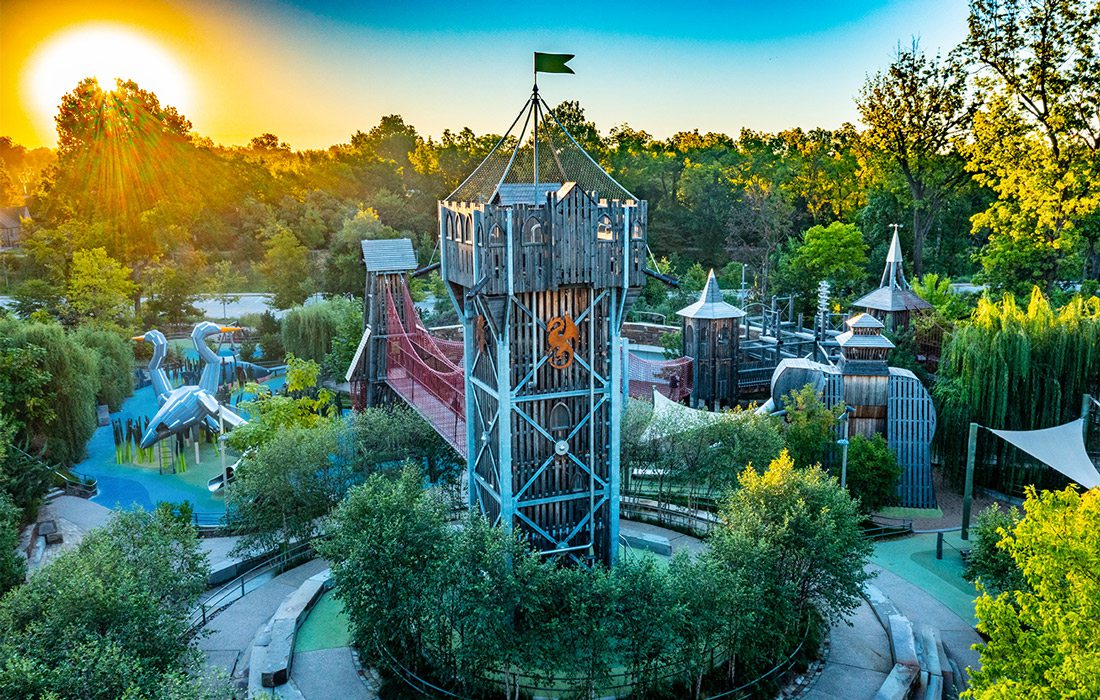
(811, 426)
(809, 529)
(873, 473)
(114, 357)
(108, 619)
(284, 488)
(1035, 142)
(224, 280)
(99, 288)
(915, 109)
(760, 222)
(386, 545)
(1014, 368)
(172, 287)
(1042, 639)
(286, 267)
(835, 254)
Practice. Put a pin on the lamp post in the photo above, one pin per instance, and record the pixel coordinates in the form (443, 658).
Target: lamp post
(843, 442)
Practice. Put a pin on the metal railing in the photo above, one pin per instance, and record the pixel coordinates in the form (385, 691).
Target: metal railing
(237, 588)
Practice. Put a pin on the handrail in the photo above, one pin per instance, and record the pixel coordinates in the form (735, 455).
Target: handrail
(235, 589)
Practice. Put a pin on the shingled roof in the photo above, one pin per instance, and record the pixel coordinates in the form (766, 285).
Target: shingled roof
(388, 255)
(893, 293)
(711, 303)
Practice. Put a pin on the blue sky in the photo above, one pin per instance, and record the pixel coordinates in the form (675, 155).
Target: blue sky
(315, 72)
(711, 66)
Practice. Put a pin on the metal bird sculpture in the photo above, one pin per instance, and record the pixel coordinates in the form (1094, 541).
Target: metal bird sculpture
(189, 405)
(161, 385)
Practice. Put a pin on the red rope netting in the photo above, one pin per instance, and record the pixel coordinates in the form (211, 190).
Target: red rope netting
(419, 372)
(673, 378)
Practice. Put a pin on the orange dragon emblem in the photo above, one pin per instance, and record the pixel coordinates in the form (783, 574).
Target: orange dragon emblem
(561, 333)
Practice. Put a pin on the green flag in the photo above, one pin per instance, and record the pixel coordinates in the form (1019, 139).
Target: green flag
(552, 62)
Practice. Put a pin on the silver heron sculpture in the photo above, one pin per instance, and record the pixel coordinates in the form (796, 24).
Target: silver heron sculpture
(157, 375)
(190, 405)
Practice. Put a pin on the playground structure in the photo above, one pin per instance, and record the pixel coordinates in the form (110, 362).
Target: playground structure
(184, 410)
(542, 259)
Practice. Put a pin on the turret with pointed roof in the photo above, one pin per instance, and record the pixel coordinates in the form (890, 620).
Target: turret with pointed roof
(711, 330)
(893, 301)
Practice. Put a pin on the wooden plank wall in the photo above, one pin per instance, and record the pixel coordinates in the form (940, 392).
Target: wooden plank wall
(558, 416)
(910, 427)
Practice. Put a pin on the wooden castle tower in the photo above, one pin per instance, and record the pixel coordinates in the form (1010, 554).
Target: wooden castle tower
(543, 254)
(711, 334)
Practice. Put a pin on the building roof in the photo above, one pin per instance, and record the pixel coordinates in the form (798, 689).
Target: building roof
(711, 303)
(9, 216)
(524, 193)
(891, 299)
(851, 339)
(864, 321)
(893, 293)
(388, 255)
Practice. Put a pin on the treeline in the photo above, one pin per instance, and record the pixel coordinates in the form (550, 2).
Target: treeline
(987, 156)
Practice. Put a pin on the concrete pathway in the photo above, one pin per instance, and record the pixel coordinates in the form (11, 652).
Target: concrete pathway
(228, 638)
(329, 673)
(75, 518)
(858, 660)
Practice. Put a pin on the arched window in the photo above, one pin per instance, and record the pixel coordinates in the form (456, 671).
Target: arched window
(637, 231)
(604, 230)
(449, 226)
(561, 422)
(532, 230)
(496, 235)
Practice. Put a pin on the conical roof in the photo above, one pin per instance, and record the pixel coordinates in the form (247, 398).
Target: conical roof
(711, 303)
(536, 158)
(893, 293)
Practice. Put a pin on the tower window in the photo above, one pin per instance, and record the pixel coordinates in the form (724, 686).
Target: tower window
(532, 231)
(604, 230)
(637, 231)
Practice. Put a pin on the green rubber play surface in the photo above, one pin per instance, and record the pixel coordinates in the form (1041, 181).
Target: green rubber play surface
(326, 627)
(913, 558)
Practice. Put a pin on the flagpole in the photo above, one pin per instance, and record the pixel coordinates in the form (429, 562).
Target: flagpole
(535, 107)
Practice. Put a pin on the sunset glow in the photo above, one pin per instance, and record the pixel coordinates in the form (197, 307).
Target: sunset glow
(106, 52)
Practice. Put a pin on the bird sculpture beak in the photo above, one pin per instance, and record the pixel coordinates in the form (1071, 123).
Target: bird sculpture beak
(230, 329)
(138, 337)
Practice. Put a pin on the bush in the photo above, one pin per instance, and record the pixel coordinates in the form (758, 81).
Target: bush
(12, 566)
(990, 565)
(873, 473)
(115, 363)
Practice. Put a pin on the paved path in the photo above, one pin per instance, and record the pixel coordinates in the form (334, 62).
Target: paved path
(858, 660)
(329, 673)
(859, 655)
(229, 637)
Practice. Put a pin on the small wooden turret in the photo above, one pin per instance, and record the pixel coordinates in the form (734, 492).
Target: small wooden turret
(711, 330)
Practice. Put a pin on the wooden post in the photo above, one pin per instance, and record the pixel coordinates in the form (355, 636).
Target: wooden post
(968, 490)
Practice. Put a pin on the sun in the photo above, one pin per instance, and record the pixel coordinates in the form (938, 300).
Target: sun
(106, 52)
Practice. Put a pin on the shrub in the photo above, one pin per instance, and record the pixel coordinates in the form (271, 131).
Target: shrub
(989, 564)
(873, 473)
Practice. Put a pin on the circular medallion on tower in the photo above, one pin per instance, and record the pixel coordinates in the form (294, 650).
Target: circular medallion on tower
(561, 448)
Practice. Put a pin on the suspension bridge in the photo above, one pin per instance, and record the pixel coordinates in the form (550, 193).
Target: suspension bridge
(425, 370)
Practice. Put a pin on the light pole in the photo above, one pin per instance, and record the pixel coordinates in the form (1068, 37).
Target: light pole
(843, 442)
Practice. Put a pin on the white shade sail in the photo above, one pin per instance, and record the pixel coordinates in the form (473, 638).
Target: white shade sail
(1061, 448)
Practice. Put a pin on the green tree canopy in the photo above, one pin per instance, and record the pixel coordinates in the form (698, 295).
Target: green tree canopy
(1042, 639)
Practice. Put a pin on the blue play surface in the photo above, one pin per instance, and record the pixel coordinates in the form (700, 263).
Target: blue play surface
(130, 486)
